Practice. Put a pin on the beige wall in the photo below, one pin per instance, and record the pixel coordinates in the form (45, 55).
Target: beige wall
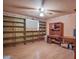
(69, 23)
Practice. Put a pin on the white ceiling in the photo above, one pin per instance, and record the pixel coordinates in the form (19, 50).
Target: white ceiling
(60, 5)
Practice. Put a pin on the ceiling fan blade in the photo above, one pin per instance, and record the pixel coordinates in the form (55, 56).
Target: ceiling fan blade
(22, 7)
(42, 3)
(58, 11)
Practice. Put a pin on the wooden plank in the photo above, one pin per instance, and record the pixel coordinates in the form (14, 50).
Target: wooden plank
(24, 31)
(32, 31)
(15, 26)
(13, 22)
(13, 17)
(42, 26)
(13, 37)
(13, 32)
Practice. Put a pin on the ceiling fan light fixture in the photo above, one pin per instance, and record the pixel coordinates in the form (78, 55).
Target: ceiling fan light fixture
(41, 14)
(42, 9)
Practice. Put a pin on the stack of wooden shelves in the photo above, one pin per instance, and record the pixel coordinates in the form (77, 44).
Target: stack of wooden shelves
(37, 35)
(42, 28)
(32, 35)
(56, 31)
(14, 31)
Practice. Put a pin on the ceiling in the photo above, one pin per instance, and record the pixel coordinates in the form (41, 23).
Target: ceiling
(20, 7)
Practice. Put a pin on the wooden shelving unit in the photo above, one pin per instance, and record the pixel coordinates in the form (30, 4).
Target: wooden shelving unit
(14, 31)
(55, 32)
(56, 28)
(34, 35)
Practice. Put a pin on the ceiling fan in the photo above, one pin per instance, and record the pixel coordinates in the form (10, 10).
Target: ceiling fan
(41, 9)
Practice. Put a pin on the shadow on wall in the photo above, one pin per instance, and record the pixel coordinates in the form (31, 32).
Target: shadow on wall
(74, 32)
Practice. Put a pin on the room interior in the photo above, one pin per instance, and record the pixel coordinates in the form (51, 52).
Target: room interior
(39, 29)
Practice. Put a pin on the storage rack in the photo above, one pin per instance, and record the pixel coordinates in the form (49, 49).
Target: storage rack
(14, 31)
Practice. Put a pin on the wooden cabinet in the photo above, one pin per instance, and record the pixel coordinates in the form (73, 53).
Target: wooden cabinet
(55, 32)
(56, 28)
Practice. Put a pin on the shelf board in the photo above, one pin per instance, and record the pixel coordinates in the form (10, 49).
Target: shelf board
(32, 31)
(13, 17)
(15, 26)
(13, 31)
(42, 27)
(55, 29)
(13, 37)
(42, 24)
(13, 22)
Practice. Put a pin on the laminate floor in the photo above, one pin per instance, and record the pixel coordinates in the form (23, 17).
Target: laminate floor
(38, 50)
